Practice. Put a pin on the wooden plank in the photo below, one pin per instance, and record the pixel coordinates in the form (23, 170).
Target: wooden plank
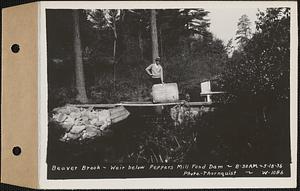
(120, 116)
(118, 111)
(199, 103)
(150, 104)
(140, 104)
(211, 93)
(95, 105)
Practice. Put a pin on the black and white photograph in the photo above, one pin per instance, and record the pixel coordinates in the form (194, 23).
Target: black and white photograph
(199, 92)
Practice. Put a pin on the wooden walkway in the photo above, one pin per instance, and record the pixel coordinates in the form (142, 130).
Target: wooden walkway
(142, 104)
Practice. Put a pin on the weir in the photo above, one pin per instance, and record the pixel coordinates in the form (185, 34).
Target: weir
(142, 104)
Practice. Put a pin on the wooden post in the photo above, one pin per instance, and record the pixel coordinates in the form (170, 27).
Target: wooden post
(208, 98)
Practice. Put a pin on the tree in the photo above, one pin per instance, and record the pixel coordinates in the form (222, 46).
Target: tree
(139, 19)
(259, 78)
(154, 35)
(189, 50)
(79, 71)
(175, 24)
(104, 19)
(230, 47)
(270, 51)
(243, 32)
(191, 53)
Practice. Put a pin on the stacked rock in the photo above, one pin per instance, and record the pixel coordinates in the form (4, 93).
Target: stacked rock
(81, 123)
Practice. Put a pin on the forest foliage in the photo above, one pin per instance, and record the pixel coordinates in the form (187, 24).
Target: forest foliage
(260, 72)
(116, 48)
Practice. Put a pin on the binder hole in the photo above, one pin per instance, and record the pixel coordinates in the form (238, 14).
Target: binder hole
(15, 48)
(16, 151)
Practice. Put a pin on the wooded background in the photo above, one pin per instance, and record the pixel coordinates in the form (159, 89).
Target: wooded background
(115, 46)
(100, 56)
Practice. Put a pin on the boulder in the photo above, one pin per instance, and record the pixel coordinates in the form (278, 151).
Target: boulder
(81, 123)
(77, 129)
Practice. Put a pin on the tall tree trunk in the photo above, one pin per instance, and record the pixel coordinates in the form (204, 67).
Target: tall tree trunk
(160, 42)
(114, 52)
(141, 44)
(79, 72)
(154, 35)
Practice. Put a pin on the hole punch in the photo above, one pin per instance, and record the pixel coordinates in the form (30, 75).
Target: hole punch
(16, 151)
(15, 48)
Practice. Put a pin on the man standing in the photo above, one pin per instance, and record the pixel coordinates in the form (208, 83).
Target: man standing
(156, 72)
